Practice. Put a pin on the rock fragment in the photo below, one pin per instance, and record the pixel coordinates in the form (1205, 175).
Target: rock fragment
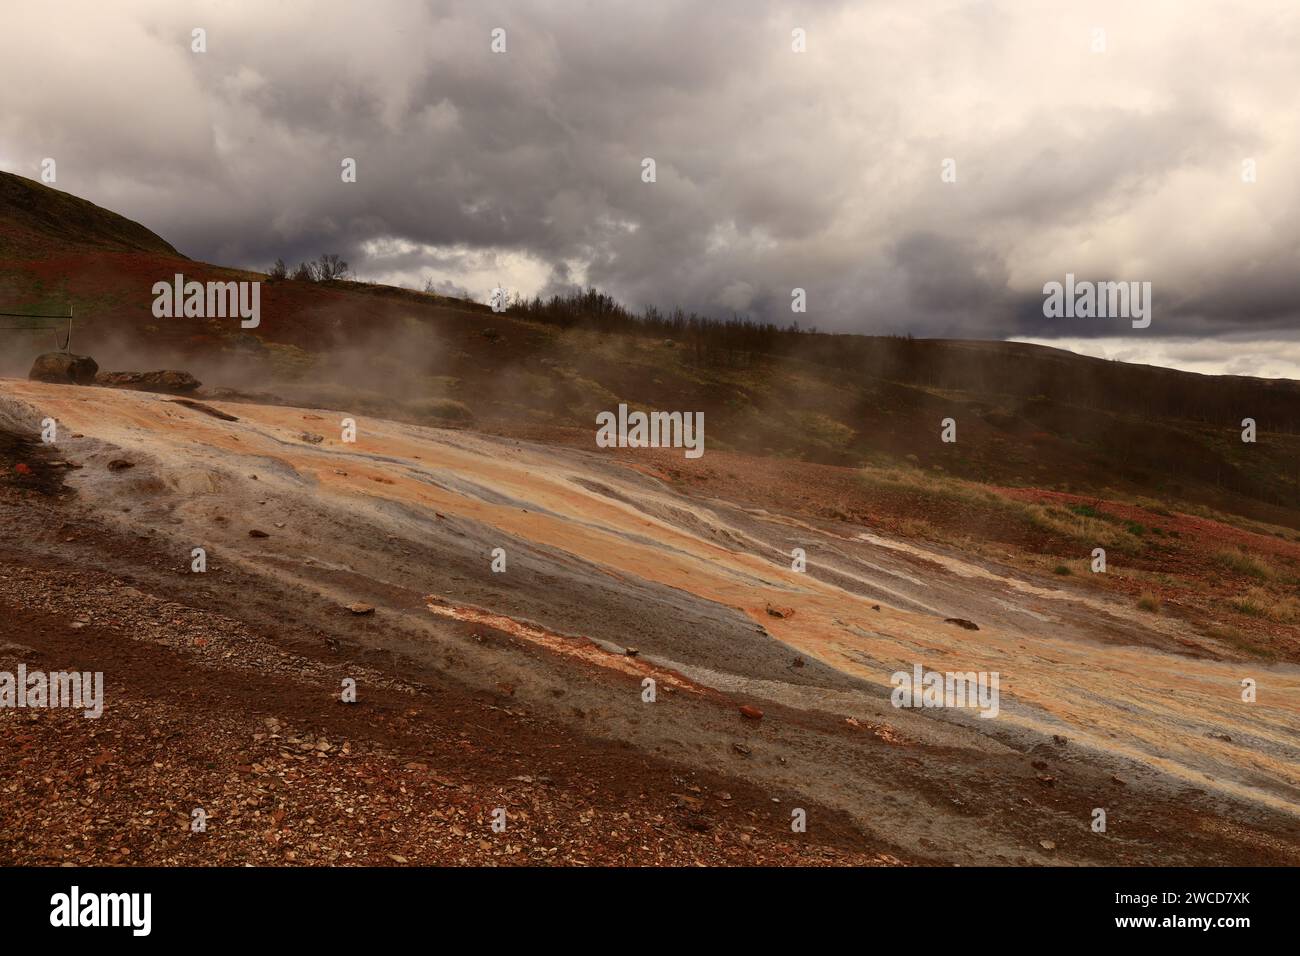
(168, 381)
(64, 368)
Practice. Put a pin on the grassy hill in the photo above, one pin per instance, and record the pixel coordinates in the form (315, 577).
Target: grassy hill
(35, 216)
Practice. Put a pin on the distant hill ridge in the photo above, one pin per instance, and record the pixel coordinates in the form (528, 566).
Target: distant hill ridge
(33, 211)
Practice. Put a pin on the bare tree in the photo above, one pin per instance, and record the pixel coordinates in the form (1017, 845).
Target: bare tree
(330, 266)
(278, 271)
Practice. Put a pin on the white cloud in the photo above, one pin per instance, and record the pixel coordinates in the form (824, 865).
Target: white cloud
(1266, 358)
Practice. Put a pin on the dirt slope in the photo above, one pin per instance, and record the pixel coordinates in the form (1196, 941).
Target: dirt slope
(1100, 706)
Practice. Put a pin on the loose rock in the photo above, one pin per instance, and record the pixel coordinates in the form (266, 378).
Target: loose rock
(64, 368)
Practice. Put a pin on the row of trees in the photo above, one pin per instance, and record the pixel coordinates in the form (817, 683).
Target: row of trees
(733, 341)
(328, 267)
(1004, 369)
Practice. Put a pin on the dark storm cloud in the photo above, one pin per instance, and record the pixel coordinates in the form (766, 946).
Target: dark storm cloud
(951, 275)
(776, 170)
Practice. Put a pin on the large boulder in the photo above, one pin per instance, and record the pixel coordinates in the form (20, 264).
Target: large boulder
(169, 381)
(64, 368)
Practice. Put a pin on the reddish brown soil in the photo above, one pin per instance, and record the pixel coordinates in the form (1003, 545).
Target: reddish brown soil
(226, 711)
(253, 733)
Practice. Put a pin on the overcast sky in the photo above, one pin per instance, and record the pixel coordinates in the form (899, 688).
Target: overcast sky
(775, 169)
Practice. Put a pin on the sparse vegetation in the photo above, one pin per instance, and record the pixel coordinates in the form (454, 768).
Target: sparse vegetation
(1235, 637)
(946, 492)
(1078, 527)
(919, 528)
(1250, 565)
(446, 409)
(1257, 602)
(1150, 601)
(324, 269)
